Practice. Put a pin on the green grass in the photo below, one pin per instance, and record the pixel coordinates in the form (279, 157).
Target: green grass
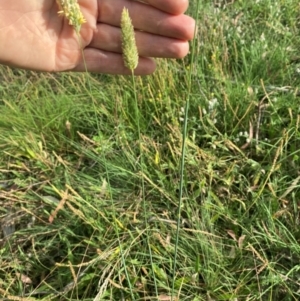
(71, 173)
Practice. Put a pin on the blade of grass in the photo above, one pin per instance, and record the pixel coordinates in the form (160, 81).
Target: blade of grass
(183, 149)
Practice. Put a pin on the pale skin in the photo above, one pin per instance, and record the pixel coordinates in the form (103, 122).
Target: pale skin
(34, 37)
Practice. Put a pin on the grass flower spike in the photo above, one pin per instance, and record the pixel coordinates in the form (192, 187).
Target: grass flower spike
(130, 52)
(71, 10)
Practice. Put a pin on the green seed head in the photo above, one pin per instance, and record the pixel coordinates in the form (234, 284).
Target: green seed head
(71, 10)
(130, 51)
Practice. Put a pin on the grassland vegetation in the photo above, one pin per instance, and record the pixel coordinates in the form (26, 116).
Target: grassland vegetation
(84, 218)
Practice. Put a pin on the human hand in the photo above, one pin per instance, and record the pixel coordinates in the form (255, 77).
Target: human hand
(33, 36)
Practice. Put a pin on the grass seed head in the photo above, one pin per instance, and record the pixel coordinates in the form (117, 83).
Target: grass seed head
(130, 51)
(71, 10)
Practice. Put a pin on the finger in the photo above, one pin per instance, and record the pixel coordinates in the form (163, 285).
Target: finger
(112, 63)
(175, 7)
(147, 18)
(108, 38)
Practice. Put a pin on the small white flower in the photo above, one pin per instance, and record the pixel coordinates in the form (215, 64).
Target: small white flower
(212, 104)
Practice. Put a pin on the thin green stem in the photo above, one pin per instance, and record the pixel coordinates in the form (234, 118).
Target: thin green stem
(108, 181)
(183, 150)
(137, 116)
